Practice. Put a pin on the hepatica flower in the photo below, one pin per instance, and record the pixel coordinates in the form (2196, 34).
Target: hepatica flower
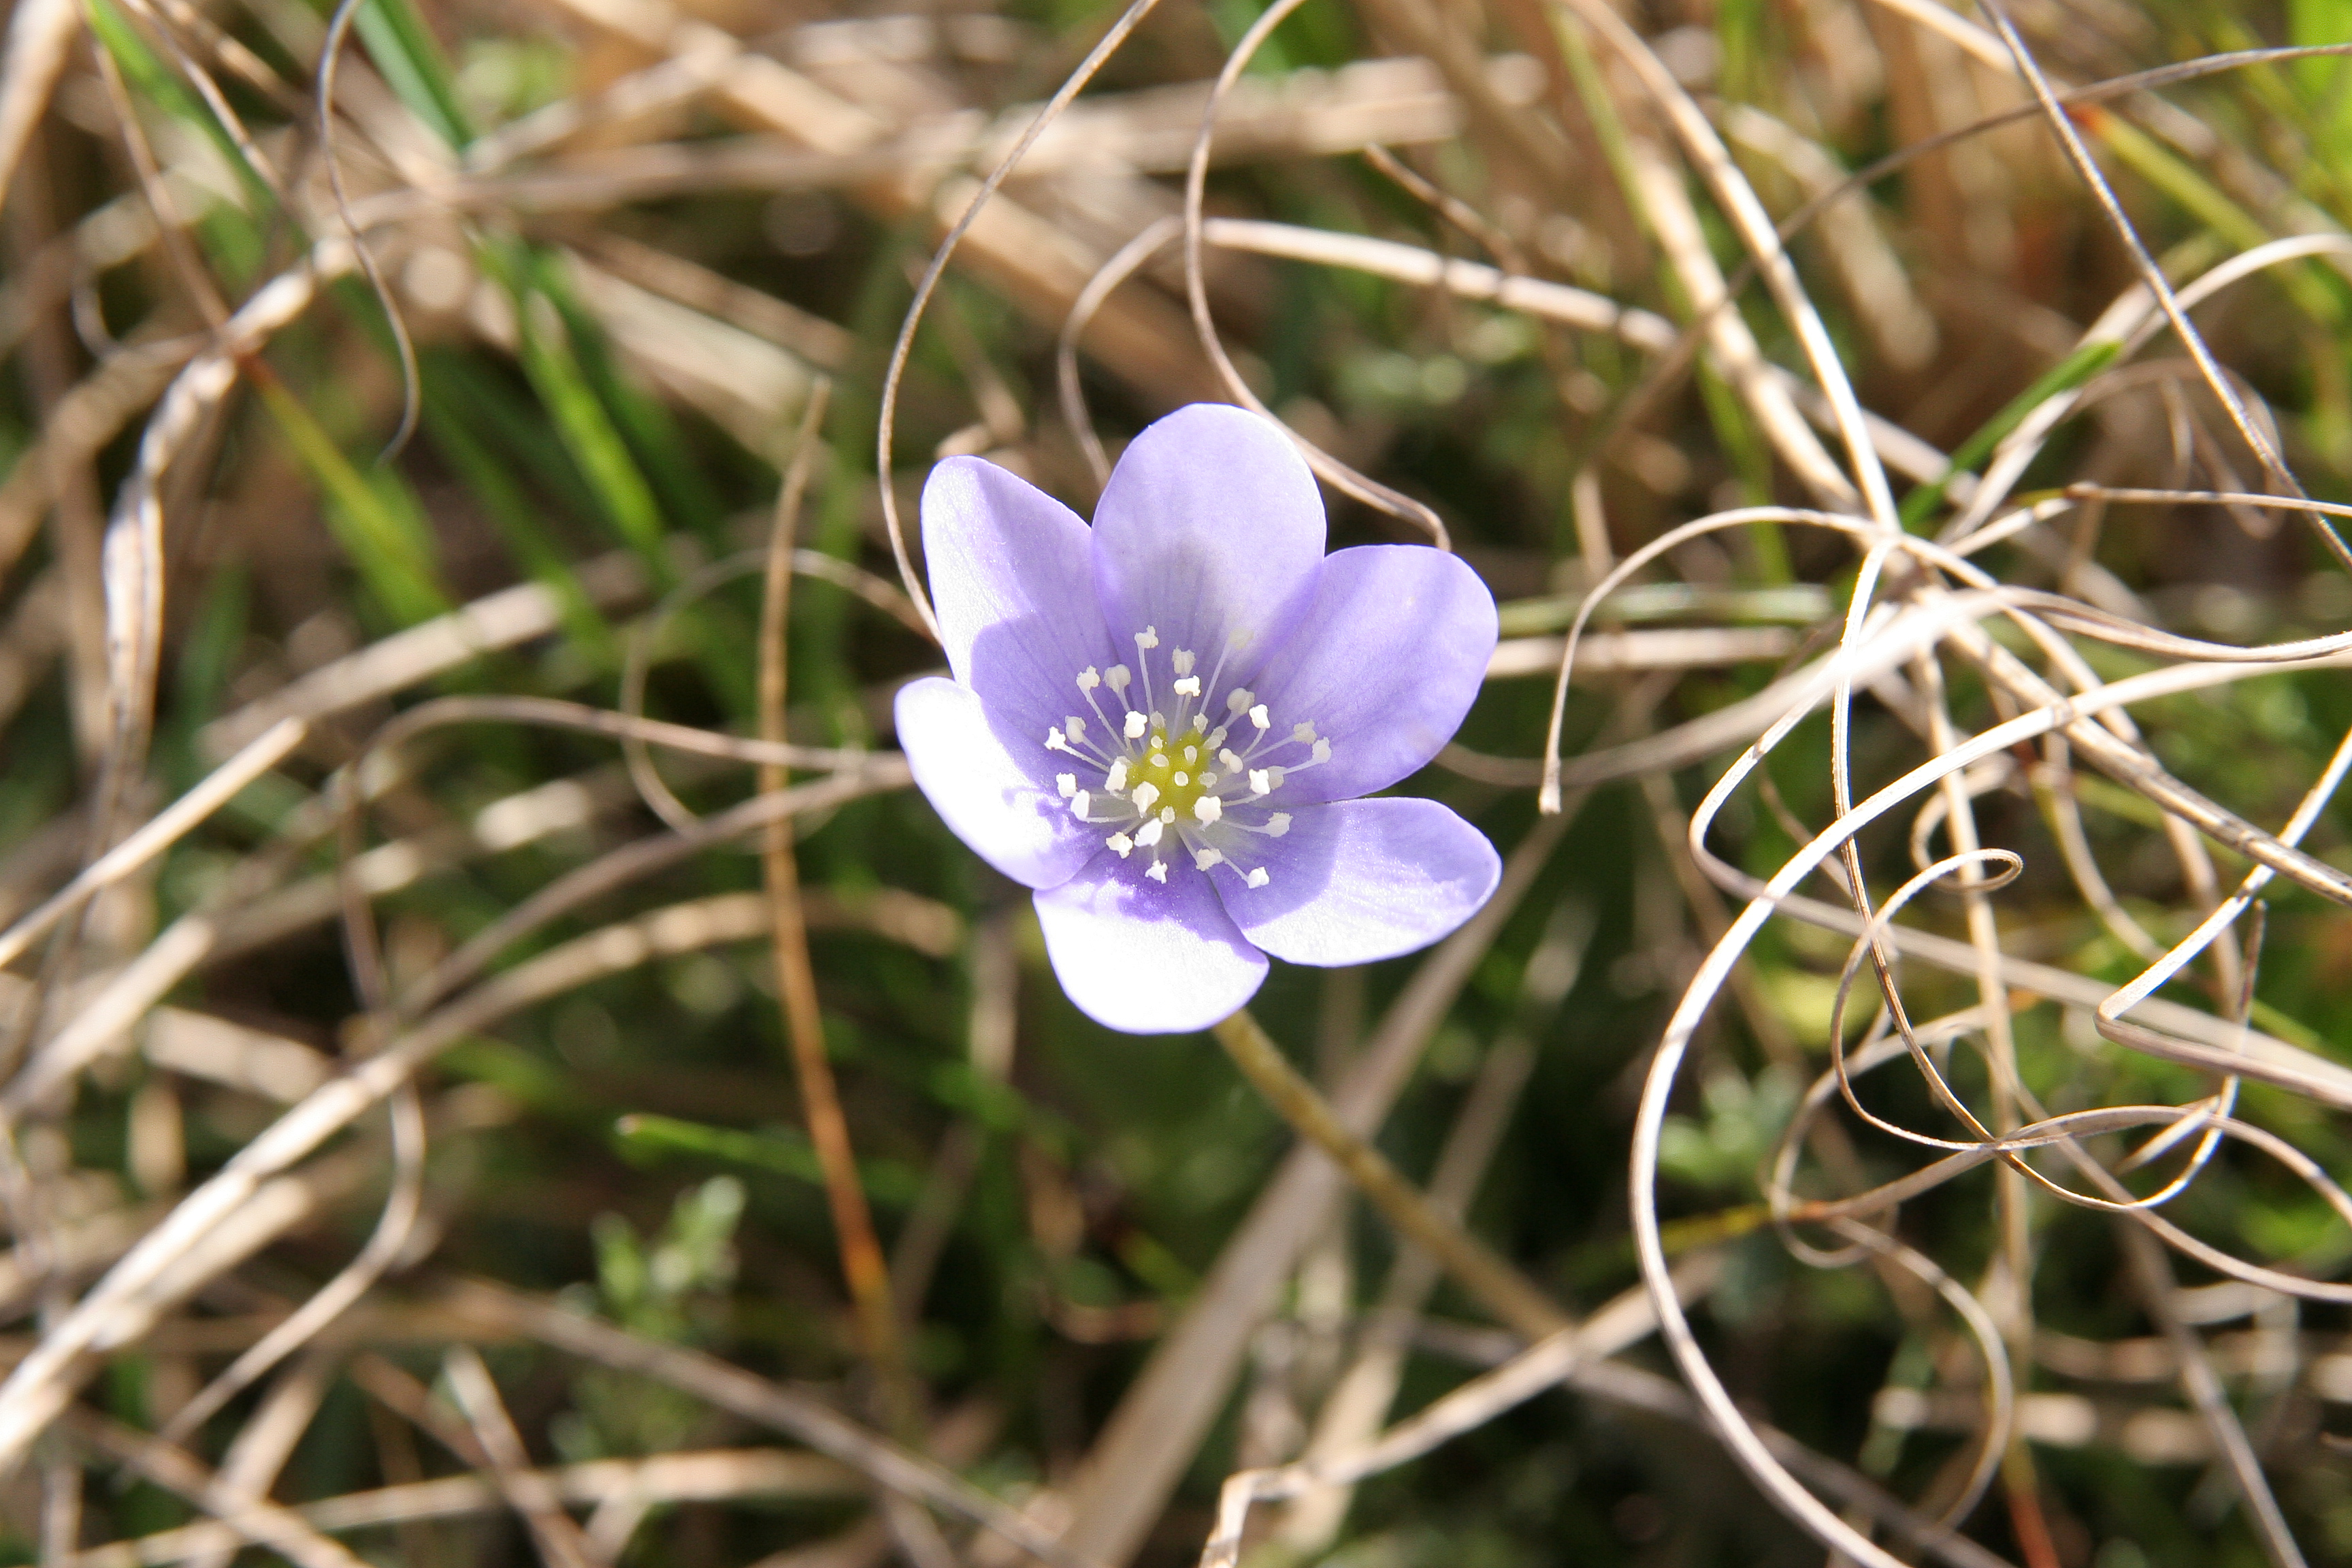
(1164, 724)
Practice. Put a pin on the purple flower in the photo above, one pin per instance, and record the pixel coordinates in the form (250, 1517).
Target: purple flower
(1162, 723)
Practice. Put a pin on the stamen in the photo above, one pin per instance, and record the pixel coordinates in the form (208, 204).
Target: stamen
(1261, 780)
(1278, 825)
(1157, 870)
(1189, 686)
(1322, 751)
(1158, 759)
(1204, 858)
(1149, 834)
(1080, 801)
(1122, 843)
(1117, 676)
(1089, 678)
(1258, 877)
(1207, 778)
(1136, 724)
(1167, 814)
(1259, 717)
(1145, 793)
(1076, 726)
(1067, 784)
(1183, 659)
(1180, 780)
(1208, 809)
(1302, 734)
(1192, 755)
(1149, 638)
(1217, 736)
(1232, 759)
(1115, 780)
(1239, 698)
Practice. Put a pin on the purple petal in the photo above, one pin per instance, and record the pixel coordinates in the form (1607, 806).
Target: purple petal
(1145, 958)
(1384, 663)
(1012, 577)
(1211, 527)
(1362, 879)
(996, 793)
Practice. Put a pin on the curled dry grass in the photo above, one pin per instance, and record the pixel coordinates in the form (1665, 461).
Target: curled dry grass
(1901, 436)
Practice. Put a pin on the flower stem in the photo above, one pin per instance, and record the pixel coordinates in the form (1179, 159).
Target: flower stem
(1478, 1268)
(862, 1264)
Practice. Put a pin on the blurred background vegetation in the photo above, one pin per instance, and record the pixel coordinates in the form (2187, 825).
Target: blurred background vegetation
(627, 242)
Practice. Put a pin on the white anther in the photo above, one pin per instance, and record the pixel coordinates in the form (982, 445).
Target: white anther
(1115, 780)
(1159, 723)
(1149, 834)
(1167, 814)
(1258, 877)
(1278, 825)
(1192, 755)
(1189, 686)
(1145, 793)
(1157, 870)
(1149, 638)
(1204, 858)
(1299, 733)
(1208, 809)
(1136, 724)
(1080, 803)
(1158, 759)
(1117, 676)
(1239, 698)
(1089, 678)
(1217, 736)
(1076, 726)
(1182, 779)
(1322, 750)
(1259, 717)
(1261, 781)
(1068, 783)
(1183, 659)
(1232, 759)
(1054, 740)
(1122, 843)
(1207, 778)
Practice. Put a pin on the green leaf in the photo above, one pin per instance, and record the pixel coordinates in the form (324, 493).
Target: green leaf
(2062, 377)
(374, 516)
(782, 1151)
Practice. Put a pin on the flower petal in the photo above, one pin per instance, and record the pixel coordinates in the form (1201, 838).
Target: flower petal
(993, 791)
(1012, 578)
(1146, 958)
(1386, 660)
(1363, 879)
(1211, 527)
